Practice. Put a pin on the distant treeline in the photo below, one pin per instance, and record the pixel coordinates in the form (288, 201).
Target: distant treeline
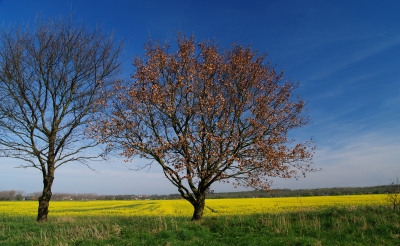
(336, 191)
(8, 195)
(12, 195)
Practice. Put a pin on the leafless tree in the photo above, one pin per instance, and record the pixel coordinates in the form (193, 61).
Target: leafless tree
(7, 195)
(206, 115)
(34, 195)
(51, 78)
(393, 194)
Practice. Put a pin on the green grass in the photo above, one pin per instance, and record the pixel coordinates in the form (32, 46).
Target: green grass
(371, 225)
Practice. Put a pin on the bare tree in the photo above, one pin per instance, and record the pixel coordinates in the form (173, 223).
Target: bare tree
(206, 115)
(393, 194)
(51, 78)
(7, 195)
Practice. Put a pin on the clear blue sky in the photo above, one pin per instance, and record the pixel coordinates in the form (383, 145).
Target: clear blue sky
(345, 54)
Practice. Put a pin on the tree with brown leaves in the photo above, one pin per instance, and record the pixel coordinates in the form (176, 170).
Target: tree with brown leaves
(51, 78)
(206, 115)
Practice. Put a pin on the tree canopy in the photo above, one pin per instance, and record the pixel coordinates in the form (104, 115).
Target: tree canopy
(206, 115)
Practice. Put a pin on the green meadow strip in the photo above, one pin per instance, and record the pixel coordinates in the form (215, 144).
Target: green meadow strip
(362, 225)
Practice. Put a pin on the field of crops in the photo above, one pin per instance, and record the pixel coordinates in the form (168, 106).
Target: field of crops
(320, 220)
(184, 208)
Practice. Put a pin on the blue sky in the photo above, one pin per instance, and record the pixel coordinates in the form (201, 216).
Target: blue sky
(345, 54)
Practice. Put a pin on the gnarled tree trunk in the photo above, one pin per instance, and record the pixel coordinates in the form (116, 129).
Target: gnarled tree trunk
(44, 199)
(198, 206)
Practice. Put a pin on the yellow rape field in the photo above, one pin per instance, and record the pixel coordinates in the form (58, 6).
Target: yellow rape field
(184, 208)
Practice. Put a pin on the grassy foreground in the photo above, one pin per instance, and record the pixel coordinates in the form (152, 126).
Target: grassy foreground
(352, 225)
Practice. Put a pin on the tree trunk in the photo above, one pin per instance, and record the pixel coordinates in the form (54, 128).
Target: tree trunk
(199, 208)
(44, 200)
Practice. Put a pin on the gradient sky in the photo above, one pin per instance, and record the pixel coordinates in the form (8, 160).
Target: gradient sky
(345, 54)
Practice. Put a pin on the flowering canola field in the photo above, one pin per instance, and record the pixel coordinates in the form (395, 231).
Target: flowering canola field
(183, 208)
